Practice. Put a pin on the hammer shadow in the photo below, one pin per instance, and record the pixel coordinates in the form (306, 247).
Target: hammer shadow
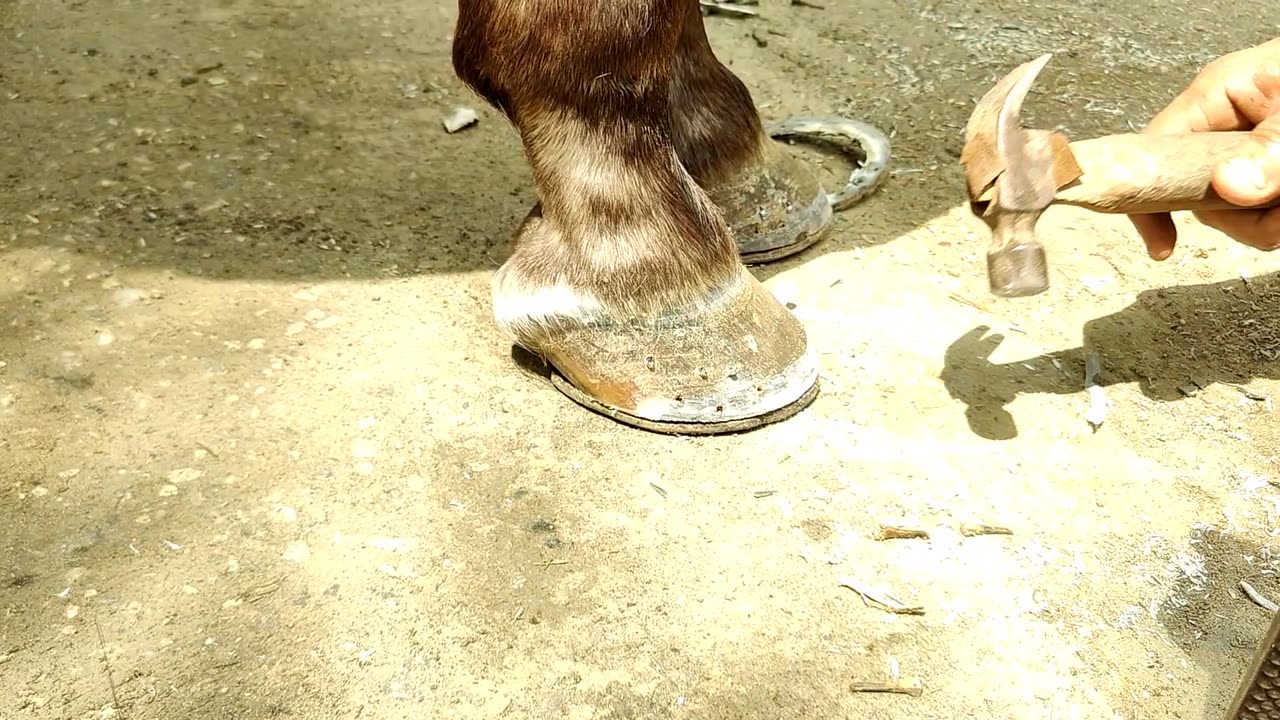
(1172, 342)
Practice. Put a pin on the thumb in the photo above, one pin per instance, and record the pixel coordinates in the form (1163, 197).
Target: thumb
(1254, 177)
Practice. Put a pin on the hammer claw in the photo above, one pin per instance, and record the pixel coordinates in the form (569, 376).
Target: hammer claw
(1028, 183)
(1011, 107)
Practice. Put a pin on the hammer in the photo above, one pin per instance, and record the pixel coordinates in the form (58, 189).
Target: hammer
(1014, 173)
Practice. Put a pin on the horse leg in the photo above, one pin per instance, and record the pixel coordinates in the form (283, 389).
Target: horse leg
(775, 206)
(625, 276)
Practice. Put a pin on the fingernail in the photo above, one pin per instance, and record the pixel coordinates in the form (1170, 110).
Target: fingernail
(1246, 172)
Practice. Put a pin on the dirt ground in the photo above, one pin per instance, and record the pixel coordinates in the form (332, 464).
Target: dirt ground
(263, 453)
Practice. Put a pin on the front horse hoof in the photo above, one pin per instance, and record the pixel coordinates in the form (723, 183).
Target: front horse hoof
(732, 361)
(778, 207)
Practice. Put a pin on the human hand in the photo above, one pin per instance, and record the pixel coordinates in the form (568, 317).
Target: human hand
(1238, 91)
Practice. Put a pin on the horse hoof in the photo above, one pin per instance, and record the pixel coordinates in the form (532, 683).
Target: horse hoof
(731, 361)
(777, 207)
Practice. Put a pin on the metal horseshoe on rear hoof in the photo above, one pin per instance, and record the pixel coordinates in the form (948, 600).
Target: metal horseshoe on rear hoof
(868, 175)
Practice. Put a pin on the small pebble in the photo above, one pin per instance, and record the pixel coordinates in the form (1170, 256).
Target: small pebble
(182, 475)
(126, 297)
(460, 119)
(83, 540)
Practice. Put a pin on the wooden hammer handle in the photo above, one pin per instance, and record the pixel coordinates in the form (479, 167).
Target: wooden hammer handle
(1137, 174)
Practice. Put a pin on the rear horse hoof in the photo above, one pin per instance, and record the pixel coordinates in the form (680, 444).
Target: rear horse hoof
(735, 360)
(777, 207)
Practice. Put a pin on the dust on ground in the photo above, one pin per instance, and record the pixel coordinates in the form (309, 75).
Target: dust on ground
(265, 455)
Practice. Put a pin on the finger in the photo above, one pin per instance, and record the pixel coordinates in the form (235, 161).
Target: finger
(1205, 106)
(1254, 177)
(1259, 229)
(1158, 232)
(1257, 92)
(1235, 92)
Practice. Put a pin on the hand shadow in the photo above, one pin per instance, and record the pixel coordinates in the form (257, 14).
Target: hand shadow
(1172, 341)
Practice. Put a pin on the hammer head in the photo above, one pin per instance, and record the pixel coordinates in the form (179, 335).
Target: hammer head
(1018, 167)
